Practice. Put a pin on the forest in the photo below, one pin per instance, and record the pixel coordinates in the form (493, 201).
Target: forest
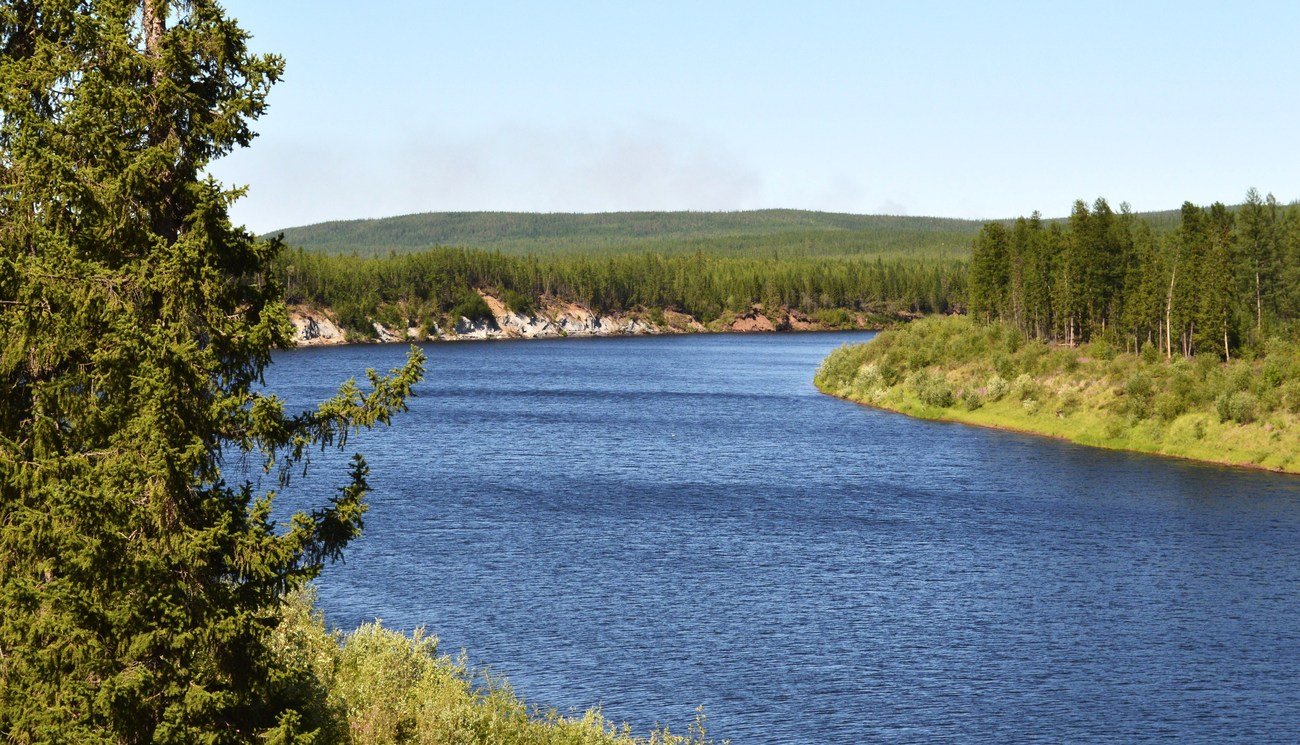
(755, 233)
(1179, 337)
(1222, 279)
(422, 288)
(147, 592)
(1065, 279)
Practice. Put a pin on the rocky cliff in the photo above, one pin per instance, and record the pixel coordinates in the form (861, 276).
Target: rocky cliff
(554, 319)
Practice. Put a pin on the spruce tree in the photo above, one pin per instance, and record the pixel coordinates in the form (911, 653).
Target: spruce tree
(1262, 254)
(138, 586)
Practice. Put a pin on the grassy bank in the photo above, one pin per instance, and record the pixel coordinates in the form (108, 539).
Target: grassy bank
(1245, 412)
(375, 686)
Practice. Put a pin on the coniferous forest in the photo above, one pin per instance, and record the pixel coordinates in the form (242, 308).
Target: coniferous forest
(1220, 280)
(1104, 331)
(148, 592)
(419, 288)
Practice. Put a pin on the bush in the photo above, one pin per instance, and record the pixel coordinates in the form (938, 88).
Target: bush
(1070, 403)
(1168, 406)
(869, 378)
(376, 686)
(1025, 387)
(472, 306)
(971, 399)
(1138, 394)
(391, 317)
(998, 388)
(933, 390)
(1239, 407)
(1004, 364)
(840, 367)
(1101, 348)
(835, 318)
(517, 302)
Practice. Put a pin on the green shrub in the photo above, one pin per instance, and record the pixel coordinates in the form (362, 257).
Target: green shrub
(524, 305)
(998, 388)
(933, 390)
(472, 306)
(354, 320)
(391, 316)
(1025, 387)
(1237, 406)
(1070, 403)
(1198, 429)
(970, 398)
(1168, 406)
(1101, 348)
(869, 378)
(834, 318)
(1138, 394)
(1004, 364)
(841, 366)
(376, 686)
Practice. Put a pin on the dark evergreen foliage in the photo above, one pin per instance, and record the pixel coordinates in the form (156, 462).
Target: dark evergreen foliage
(138, 587)
(1221, 280)
(429, 284)
(756, 233)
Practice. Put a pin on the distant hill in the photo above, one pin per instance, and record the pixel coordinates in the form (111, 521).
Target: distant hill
(758, 232)
(748, 233)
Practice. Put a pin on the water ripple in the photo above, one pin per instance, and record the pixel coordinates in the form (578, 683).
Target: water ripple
(654, 524)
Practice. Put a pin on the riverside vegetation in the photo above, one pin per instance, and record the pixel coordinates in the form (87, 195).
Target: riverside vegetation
(146, 594)
(1106, 333)
(436, 289)
(427, 271)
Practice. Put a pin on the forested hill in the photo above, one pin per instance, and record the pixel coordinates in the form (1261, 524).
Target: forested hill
(751, 233)
(756, 233)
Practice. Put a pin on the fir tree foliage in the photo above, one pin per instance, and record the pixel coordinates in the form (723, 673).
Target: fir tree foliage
(1221, 280)
(138, 587)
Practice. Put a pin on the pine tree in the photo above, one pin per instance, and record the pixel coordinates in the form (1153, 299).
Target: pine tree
(137, 585)
(1217, 296)
(990, 272)
(1261, 251)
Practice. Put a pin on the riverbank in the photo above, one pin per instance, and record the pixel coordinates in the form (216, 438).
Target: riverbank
(376, 685)
(1246, 413)
(552, 318)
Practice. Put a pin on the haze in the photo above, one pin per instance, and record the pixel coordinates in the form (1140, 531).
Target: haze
(958, 110)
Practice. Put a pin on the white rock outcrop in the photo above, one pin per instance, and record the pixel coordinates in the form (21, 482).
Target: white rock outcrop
(315, 329)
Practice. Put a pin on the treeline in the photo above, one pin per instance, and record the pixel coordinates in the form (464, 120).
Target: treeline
(1220, 280)
(753, 233)
(421, 288)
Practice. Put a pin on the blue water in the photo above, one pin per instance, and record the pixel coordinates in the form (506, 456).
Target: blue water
(654, 524)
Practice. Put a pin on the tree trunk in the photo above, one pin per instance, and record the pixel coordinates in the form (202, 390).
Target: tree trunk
(155, 19)
(163, 127)
(1259, 307)
(1169, 316)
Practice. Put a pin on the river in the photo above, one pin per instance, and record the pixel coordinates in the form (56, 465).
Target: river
(652, 524)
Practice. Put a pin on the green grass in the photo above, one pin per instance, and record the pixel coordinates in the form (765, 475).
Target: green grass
(376, 686)
(1243, 413)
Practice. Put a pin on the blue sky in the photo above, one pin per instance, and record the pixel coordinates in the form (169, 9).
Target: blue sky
(972, 110)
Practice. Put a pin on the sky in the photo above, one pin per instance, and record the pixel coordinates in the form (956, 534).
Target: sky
(973, 110)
